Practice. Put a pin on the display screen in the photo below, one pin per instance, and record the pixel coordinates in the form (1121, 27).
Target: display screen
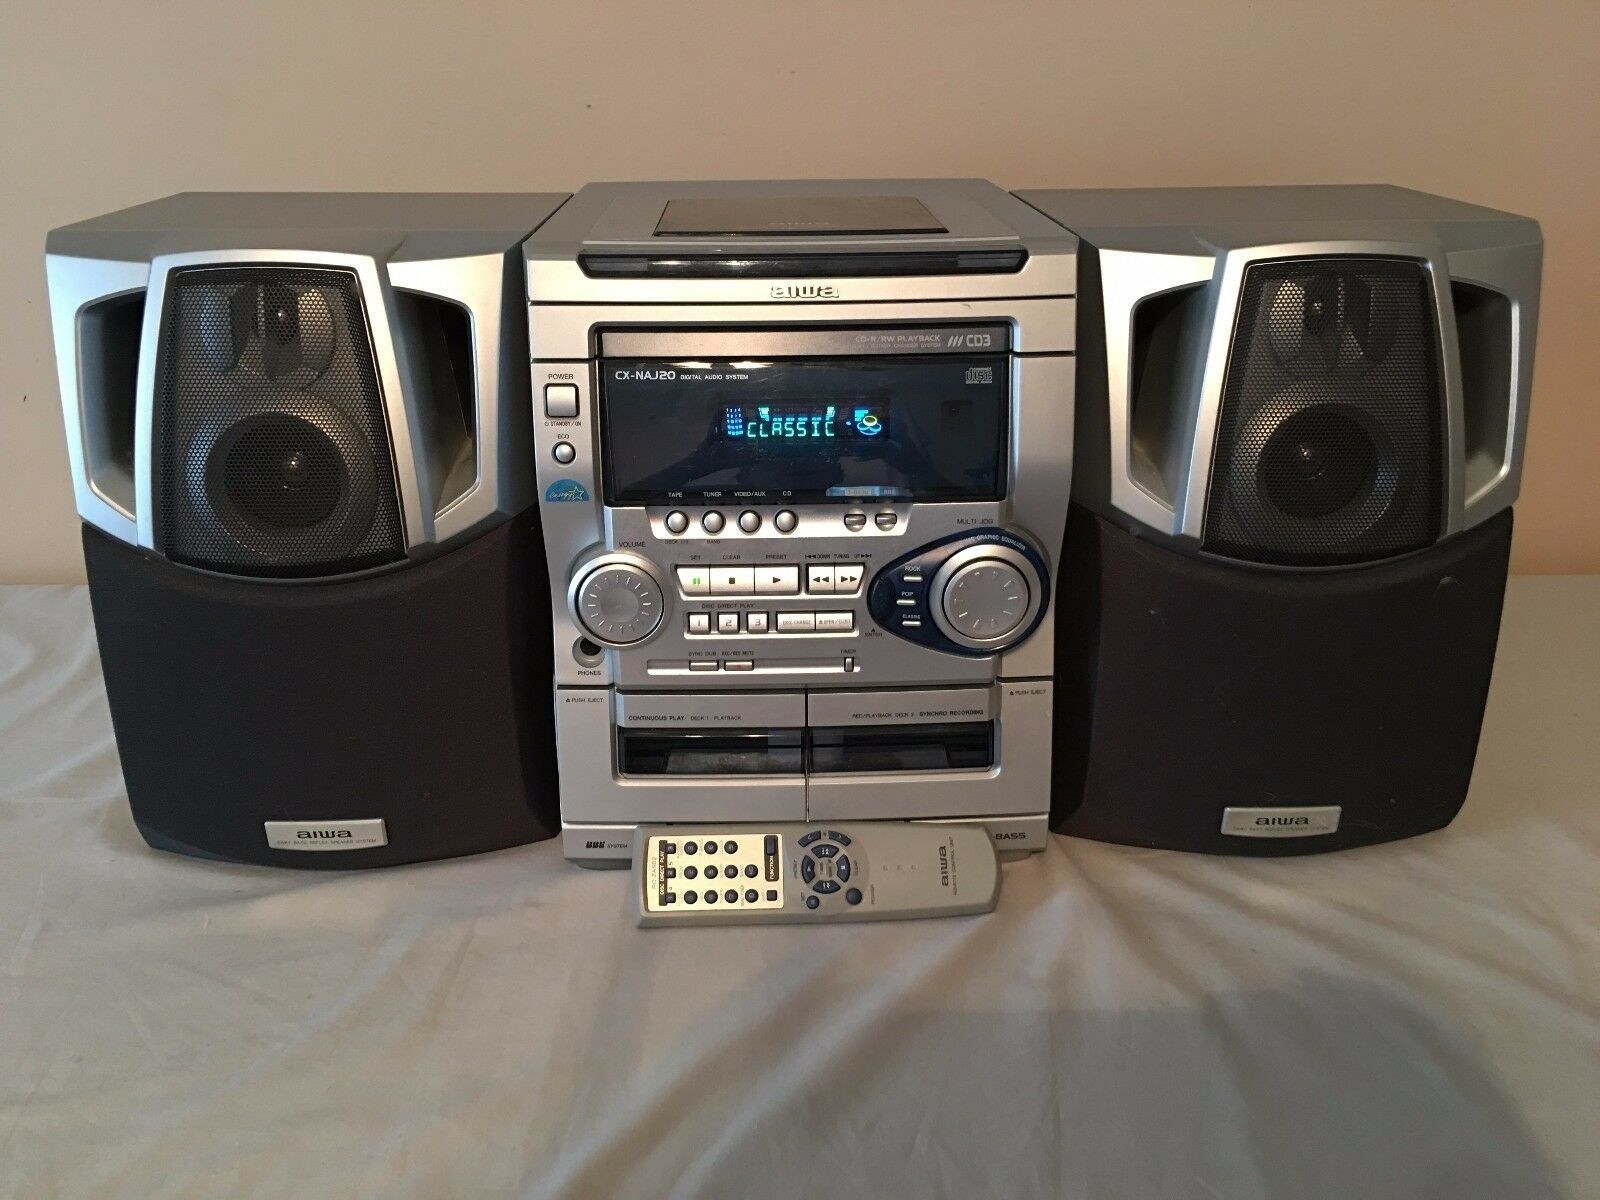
(849, 429)
(798, 422)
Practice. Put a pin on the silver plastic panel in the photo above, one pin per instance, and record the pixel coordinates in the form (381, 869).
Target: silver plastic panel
(105, 493)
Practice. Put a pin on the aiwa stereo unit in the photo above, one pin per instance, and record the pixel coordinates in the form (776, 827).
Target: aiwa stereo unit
(299, 438)
(803, 452)
(1300, 429)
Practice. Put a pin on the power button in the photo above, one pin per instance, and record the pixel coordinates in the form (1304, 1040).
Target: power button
(561, 400)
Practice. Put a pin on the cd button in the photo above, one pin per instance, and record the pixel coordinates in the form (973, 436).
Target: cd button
(785, 522)
(819, 579)
(749, 521)
(836, 622)
(797, 622)
(733, 581)
(777, 581)
(677, 522)
(728, 622)
(712, 522)
(694, 581)
(855, 522)
(699, 622)
(755, 622)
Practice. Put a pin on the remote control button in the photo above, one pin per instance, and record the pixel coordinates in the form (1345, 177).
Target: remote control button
(751, 870)
(772, 894)
(841, 869)
(751, 896)
(785, 522)
(691, 871)
(730, 847)
(825, 886)
(670, 847)
(853, 896)
(677, 522)
(812, 902)
(691, 847)
(769, 844)
(672, 898)
(808, 869)
(690, 897)
(672, 872)
(836, 836)
(731, 895)
(807, 838)
(825, 851)
(711, 896)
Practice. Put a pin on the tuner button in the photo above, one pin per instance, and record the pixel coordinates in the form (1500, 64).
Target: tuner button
(677, 522)
(785, 522)
(619, 604)
(712, 522)
(749, 520)
(985, 600)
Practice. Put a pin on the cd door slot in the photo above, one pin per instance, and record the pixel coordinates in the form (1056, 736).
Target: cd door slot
(643, 753)
(963, 746)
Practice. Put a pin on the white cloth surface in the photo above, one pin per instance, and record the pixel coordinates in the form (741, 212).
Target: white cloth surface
(1419, 1020)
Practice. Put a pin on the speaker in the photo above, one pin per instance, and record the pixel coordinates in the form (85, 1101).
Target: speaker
(299, 431)
(1299, 431)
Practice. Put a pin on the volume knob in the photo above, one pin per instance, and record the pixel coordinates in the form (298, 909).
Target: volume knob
(620, 603)
(984, 595)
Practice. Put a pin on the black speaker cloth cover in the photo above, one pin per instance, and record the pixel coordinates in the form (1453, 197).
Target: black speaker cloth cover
(1186, 685)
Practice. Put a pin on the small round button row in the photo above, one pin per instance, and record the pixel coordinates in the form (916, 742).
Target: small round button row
(712, 522)
(749, 520)
(677, 522)
(785, 522)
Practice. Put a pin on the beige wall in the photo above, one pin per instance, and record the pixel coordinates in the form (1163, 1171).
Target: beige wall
(103, 105)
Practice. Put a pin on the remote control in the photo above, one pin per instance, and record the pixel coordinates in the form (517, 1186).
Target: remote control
(850, 871)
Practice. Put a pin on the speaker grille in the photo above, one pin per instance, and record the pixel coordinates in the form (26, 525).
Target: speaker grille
(272, 451)
(1330, 440)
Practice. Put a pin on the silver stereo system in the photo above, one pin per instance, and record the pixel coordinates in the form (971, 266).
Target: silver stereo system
(804, 452)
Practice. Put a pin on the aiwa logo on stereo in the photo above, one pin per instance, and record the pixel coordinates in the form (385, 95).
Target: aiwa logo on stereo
(804, 291)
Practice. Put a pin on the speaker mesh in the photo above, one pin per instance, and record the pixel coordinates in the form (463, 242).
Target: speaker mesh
(1330, 441)
(272, 451)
